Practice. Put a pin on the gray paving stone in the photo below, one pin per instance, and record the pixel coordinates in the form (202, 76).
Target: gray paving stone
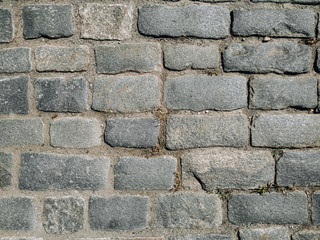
(189, 210)
(210, 236)
(6, 26)
(270, 208)
(206, 131)
(62, 59)
(47, 20)
(126, 93)
(203, 21)
(286, 130)
(221, 168)
(5, 169)
(15, 60)
(60, 95)
(118, 213)
(318, 59)
(63, 215)
(79, 132)
(271, 233)
(106, 21)
(200, 92)
(27, 131)
(306, 235)
(45, 171)
(311, 2)
(282, 92)
(315, 208)
(135, 132)
(14, 95)
(136, 173)
(135, 57)
(20, 238)
(277, 57)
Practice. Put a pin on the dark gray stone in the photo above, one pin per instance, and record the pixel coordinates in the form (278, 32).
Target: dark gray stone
(278, 57)
(60, 95)
(210, 236)
(5, 169)
(63, 215)
(14, 95)
(134, 173)
(271, 233)
(15, 60)
(315, 208)
(306, 235)
(137, 132)
(318, 59)
(47, 20)
(118, 213)
(200, 92)
(6, 26)
(203, 21)
(270, 208)
(43, 171)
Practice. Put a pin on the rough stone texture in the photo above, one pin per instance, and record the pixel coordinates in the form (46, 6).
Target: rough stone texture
(27, 131)
(279, 93)
(286, 130)
(206, 131)
(318, 60)
(315, 208)
(278, 57)
(270, 208)
(274, 22)
(118, 213)
(290, 1)
(203, 237)
(189, 210)
(126, 93)
(75, 132)
(47, 20)
(6, 26)
(183, 56)
(203, 21)
(20, 238)
(136, 57)
(62, 59)
(17, 213)
(271, 233)
(142, 238)
(43, 171)
(63, 215)
(137, 132)
(15, 60)
(5, 169)
(60, 95)
(14, 95)
(306, 235)
(135, 173)
(106, 22)
(200, 92)
(221, 168)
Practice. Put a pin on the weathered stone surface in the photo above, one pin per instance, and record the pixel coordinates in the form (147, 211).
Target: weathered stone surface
(200, 92)
(270, 208)
(62, 59)
(126, 93)
(135, 173)
(5, 169)
(318, 59)
(285, 130)
(118, 213)
(14, 95)
(20, 238)
(75, 132)
(274, 22)
(279, 93)
(142, 238)
(205, 131)
(137, 132)
(209, 236)
(63, 215)
(271, 233)
(6, 26)
(278, 57)
(221, 168)
(136, 57)
(47, 20)
(290, 1)
(44, 171)
(106, 21)
(60, 95)
(183, 56)
(203, 21)
(26, 131)
(15, 60)
(17, 213)
(306, 235)
(315, 208)
(189, 210)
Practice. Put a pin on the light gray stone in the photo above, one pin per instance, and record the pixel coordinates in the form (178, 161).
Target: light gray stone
(20, 238)
(221, 168)
(306, 235)
(15, 60)
(203, 21)
(278, 57)
(5, 169)
(6, 26)
(315, 208)
(271, 233)
(126, 93)
(318, 59)
(311, 2)
(270, 208)
(207, 131)
(210, 236)
(200, 92)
